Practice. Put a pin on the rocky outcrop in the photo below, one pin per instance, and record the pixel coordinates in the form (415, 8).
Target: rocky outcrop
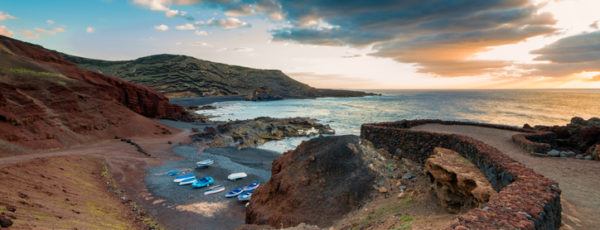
(579, 136)
(318, 183)
(263, 94)
(48, 102)
(183, 76)
(249, 133)
(458, 183)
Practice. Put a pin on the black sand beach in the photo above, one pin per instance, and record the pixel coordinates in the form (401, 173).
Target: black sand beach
(183, 207)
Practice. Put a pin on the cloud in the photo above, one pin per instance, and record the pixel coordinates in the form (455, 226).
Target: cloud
(439, 37)
(29, 34)
(5, 31)
(161, 5)
(50, 22)
(50, 31)
(4, 16)
(201, 33)
(594, 24)
(187, 26)
(227, 23)
(162, 27)
(90, 29)
(241, 10)
(200, 44)
(595, 78)
(574, 54)
(243, 49)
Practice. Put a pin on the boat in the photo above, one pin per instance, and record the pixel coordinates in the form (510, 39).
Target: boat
(204, 163)
(251, 186)
(234, 193)
(181, 178)
(214, 189)
(188, 181)
(203, 182)
(245, 196)
(172, 173)
(237, 176)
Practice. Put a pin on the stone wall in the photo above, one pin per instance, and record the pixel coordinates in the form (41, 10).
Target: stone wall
(525, 199)
(535, 142)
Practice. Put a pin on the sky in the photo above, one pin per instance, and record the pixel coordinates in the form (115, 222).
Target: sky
(401, 44)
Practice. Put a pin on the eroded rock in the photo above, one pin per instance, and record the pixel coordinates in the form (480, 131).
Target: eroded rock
(458, 183)
(317, 184)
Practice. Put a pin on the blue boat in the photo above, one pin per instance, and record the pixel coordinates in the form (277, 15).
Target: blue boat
(214, 189)
(172, 173)
(188, 181)
(234, 193)
(183, 177)
(245, 196)
(251, 186)
(204, 163)
(203, 182)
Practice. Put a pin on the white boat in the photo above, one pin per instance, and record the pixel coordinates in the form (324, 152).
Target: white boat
(188, 181)
(204, 163)
(214, 189)
(237, 176)
(184, 177)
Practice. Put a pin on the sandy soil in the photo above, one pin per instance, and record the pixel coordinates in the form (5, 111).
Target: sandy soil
(578, 179)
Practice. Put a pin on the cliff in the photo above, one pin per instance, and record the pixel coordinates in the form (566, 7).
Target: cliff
(183, 76)
(48, 102)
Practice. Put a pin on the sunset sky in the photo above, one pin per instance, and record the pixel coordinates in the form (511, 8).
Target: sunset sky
(337, 44)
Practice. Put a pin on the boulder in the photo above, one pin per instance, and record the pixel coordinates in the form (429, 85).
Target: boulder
(263, 94)
(594, 152)
(458, 183)
(318, 183)
(554, 153)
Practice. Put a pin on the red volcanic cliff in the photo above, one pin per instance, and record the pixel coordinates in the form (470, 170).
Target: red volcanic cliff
(47, 102)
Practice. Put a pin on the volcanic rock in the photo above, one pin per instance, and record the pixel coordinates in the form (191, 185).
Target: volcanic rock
(263, 94)
(458, 183)
(48, 102)
(319, 191)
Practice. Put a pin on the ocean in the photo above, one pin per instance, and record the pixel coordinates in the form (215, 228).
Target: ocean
(345, 115)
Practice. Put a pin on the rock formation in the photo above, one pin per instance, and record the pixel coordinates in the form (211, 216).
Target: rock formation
(48, 102)
(458, 183)
(263, 94)
(249, 133)
(580, 136)
(184, 76)
(318, 183)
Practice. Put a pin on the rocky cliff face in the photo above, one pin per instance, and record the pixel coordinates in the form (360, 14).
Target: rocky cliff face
(318, 183)
(48, 102)
(183, 76)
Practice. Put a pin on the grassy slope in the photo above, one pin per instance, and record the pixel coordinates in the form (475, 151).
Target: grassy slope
(184, 76)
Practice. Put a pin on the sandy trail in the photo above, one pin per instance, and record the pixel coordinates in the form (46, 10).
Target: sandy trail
(578, 179)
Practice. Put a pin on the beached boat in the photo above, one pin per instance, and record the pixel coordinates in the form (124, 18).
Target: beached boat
(251, 186)
(214, 189)
(204, 163)
(188, 181)
(245, 196)
(234, 193)
(172, 173)
(183, 177)
(237, 176)
(203, 182)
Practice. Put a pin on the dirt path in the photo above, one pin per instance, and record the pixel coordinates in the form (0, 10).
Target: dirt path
(578, 179)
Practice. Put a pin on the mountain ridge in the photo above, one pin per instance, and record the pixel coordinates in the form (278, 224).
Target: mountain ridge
(179, 76)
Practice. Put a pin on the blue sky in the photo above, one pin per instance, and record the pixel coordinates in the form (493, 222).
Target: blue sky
(336, 44)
